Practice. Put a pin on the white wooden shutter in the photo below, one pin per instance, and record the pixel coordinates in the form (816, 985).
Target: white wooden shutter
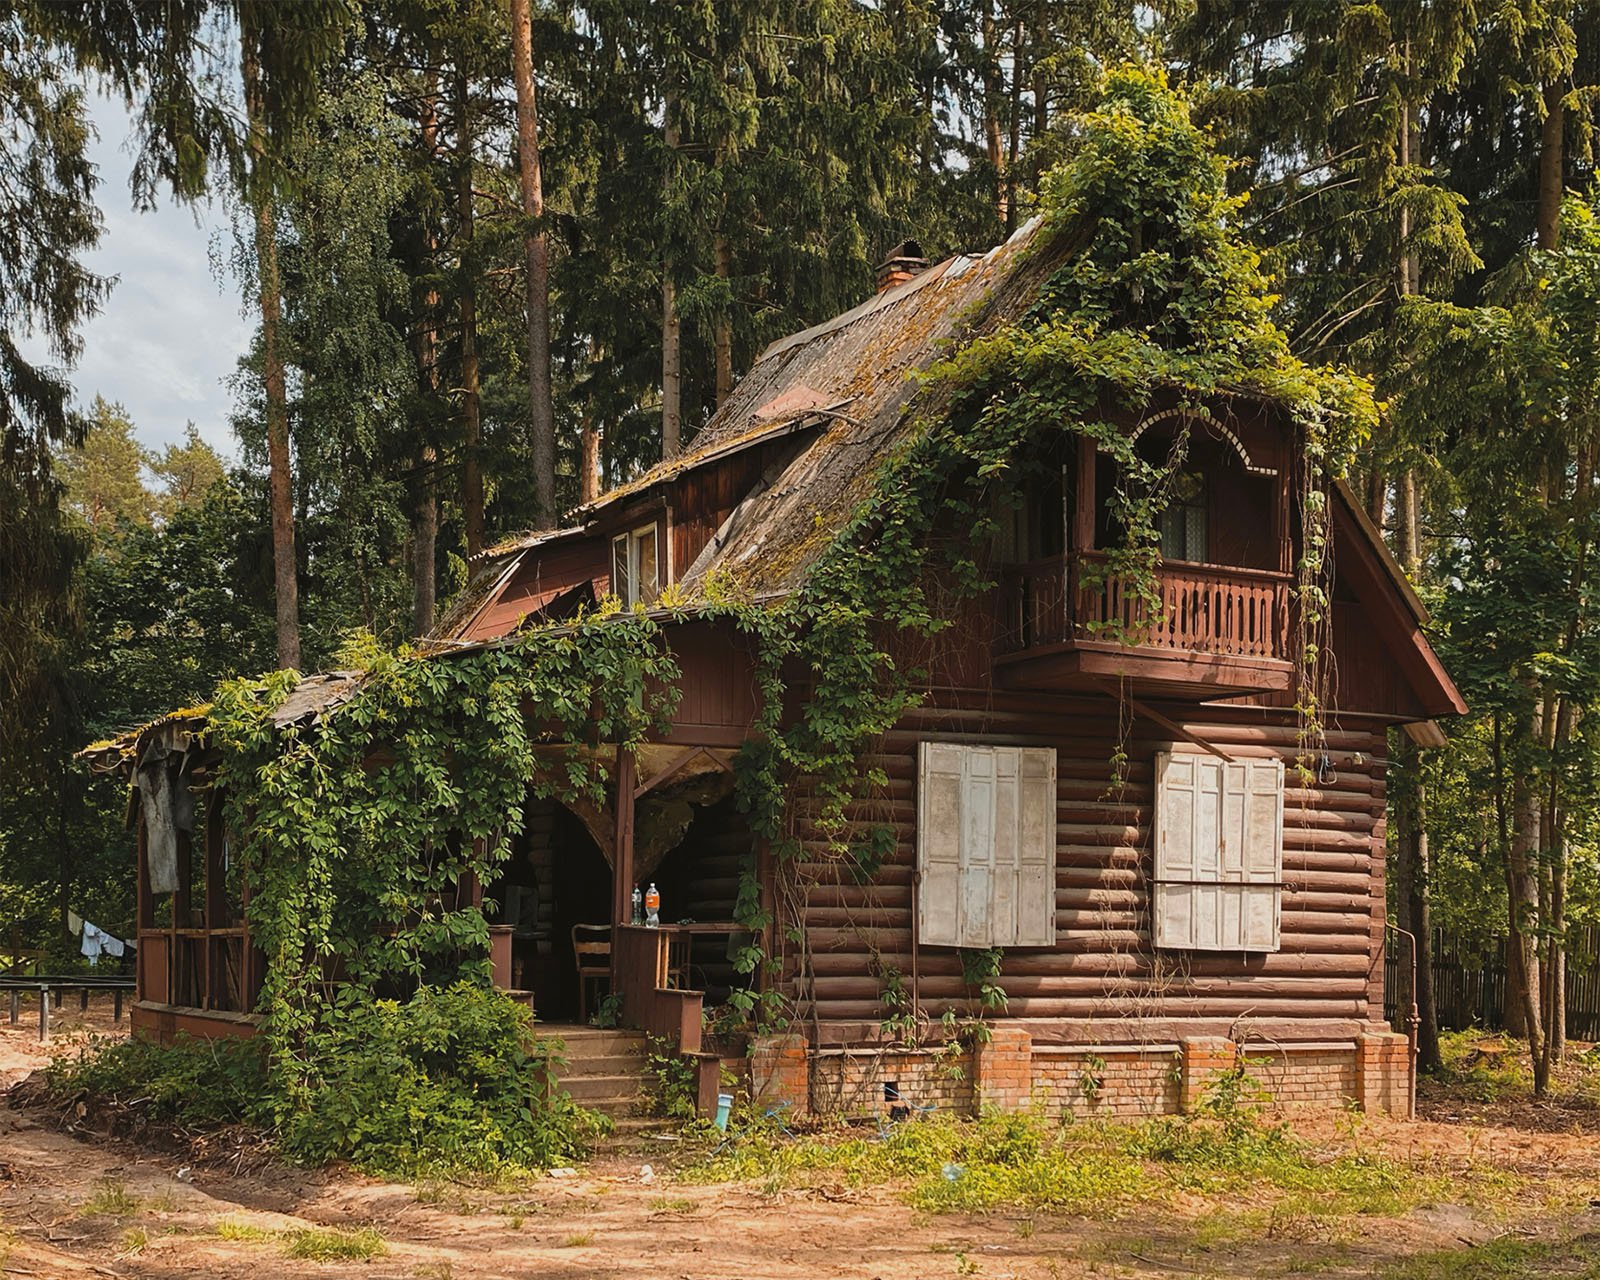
(986, 822)
(939, 843)
(1219, 853)
(1036, 849)
(1261, 860)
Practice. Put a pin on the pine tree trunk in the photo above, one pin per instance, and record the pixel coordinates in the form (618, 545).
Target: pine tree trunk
(1552, 186)
(471, 407)
(1524, 910)
(1014, 125)
(536, 251)
(724, 332)
(589, 470)
(425, 493)
(992, 93)
(1411, 823)
(280, 472)
(671, 334)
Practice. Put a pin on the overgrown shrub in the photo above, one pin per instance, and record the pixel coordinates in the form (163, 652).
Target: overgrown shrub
(452, 1081)
(201, 1084)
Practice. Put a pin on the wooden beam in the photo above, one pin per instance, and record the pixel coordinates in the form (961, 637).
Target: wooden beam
(679, 763)
(1083, 511)
(1171, 726)
(622, 860)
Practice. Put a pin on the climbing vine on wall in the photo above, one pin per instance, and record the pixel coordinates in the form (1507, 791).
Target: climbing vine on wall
(356, 831)
(1159, 297)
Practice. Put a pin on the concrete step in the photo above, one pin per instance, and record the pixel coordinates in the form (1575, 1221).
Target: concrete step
(603, 1064)
(591, 1089)
(589, 1041)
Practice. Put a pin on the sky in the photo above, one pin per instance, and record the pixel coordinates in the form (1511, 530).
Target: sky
(172, 330)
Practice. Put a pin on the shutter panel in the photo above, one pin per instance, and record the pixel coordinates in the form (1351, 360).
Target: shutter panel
(939, 822)
(979, 787)
(1036, 848)
(986, 845)
(1004, 901)
(1219, 853)
(1187, 909)
(1261, 809)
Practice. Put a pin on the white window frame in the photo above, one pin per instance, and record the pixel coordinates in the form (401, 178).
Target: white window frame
(986, 845)
(625, 551)
(1218, 882)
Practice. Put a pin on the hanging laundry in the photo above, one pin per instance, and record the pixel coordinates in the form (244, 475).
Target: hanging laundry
(74, 923)
(96, 941)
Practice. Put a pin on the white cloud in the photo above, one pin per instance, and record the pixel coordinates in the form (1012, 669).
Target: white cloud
(172, 331)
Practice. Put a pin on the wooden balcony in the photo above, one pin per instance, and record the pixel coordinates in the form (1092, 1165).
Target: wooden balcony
(1218, 632)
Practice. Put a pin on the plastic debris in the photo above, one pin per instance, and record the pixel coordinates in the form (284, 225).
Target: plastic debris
(563, 1171)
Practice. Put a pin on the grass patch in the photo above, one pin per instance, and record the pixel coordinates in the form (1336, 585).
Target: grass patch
(1504, 1259)
(110, 1200)
(243, 1231)
(672, 1204)
(335, 1246)
(1029, 1162)
(134, 1239)
(578, 1240)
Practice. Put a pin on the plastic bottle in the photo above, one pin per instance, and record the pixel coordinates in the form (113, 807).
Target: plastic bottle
(652, 907)
(638, 905)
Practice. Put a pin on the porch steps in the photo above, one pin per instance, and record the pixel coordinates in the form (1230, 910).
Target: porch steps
(605, 1069)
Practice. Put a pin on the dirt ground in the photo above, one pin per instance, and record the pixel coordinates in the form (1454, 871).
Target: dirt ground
(75, 1204)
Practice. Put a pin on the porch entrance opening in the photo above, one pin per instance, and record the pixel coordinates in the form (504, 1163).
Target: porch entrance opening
(555, 880)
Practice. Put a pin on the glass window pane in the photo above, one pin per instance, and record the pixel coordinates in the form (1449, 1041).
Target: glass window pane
(620, 578)
(649, 580)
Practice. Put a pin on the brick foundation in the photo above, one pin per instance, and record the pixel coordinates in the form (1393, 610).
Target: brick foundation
(1011, 1071)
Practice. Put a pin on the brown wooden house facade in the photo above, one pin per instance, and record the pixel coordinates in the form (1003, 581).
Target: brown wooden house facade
(1168, 877)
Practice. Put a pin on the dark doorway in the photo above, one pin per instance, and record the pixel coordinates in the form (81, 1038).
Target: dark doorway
(580, 884)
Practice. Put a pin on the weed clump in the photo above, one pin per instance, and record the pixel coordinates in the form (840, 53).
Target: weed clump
(1027, 1161)
(335, 1246)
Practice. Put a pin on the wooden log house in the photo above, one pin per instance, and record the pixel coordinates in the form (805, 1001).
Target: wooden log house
(1213, 899)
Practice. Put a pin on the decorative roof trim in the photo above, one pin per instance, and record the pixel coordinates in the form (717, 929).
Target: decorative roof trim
(1226, 433)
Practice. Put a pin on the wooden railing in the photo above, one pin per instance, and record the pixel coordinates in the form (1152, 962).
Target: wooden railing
(1203, 608)
(641, 968)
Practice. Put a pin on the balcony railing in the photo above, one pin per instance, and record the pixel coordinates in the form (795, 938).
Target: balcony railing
(1239, 613)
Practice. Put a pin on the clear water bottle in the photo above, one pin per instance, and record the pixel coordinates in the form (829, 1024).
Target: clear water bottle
(638, 905)
(652, 907)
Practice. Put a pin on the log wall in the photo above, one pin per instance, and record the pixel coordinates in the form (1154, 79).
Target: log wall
(1326, 979)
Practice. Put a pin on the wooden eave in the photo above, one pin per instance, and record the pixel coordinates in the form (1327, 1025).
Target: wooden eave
(1394, 607)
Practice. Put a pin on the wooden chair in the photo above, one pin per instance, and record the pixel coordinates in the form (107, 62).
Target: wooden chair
(591, 945)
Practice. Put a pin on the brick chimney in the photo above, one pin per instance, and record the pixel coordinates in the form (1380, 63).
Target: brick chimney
(904, 261)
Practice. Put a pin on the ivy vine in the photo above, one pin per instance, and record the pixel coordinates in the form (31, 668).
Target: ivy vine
(356, 833)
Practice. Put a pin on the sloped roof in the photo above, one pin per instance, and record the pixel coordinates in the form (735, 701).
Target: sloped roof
(861, 367)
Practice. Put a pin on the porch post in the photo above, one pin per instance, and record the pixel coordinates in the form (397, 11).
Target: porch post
(1083, 511)
(622, 860)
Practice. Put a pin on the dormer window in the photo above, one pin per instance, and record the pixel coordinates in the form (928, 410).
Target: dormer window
(636, 565)
(1185, 519)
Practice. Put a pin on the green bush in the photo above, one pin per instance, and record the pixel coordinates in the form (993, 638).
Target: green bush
(452, 1081)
